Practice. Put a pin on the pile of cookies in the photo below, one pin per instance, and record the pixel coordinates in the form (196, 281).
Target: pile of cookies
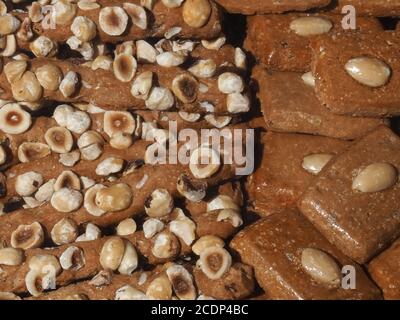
(88, 89)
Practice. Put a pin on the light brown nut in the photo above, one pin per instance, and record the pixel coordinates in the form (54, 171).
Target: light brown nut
(165, 245)
(25, 32)
(11, 257)
(70, 159)
(222, 202)
(118, 122)
(45, 191)
(214, 262)
(370, 72)
(64, 231)
(126, 227)
(32, 283)
(72, 258)
(160, 289)
(88, 138)
(109, 166)
(196, 13)
(102, 62)
(63, 12)
(142, 85)
(170, 59)
(229, 82)
(13, 119)
(88, 5)
(129, 260)
(39, 263)
(92, 152)
(27, 236)
(376, 177)
(27, 88)
(35, 12)
(151, 227)
(124, 67)
(314, 163)
(27, 183)
(232, 216)
(204, 69)
(3, 8)
(182, 282)
(113, 20)
(160, 99)
(207, 242)
(92, 232)
(308, 79)
(237, 103)
(43, 47)
(10, 46)
(45, 267)
(14, 70)
(83, 28)
(129, 293)
(321, 267)
(215, 44)
(185, 88)
(8, 24)
(204, 162)
(159, 203)
(67, 179)
(49, 76)
(90, 203)
(112, 253)
(59, 139)
(137, 14)
(78, 122)
(183, 228)
(66, 200)
(145, 52)
(69, 84)
(311, 26)
(61, 113)
(115, 198)
(121, 141)
(194, 191)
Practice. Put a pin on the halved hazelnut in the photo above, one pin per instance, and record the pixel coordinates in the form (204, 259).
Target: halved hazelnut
(142, 85)
(151, 227)
(70, 159)
(43, 47)
(160, 289)
(13, 119)
(66, 200)
(45, 191)
(72, 258)
(115, 198)
(118, 122)
(112, 253)
(129, 260)
(90, 203)
(49, 76)
(203, 69)
(113, 20)
(63, 12)
(88, 138)
(27, 236)
(110, 165)
(69, 84)
(92, 152)
(145, 52)
(192, 190)
(35, 12)
(182, 282)
(160, 99)
(27, 183)
(137, 13)
(170, 59)
(78, 122)
(159, 204)
(124, 67)
(64, 231)
(8, 24)
(102, 62)
(67, 179)
(59, 139)
(11, 257)
(27, 88)
(121, 141)
(14, 70)
(126, 227)
(204, 162)
(61, 113)
(196, 13)
(214, 262)
(185, 88)
(84, 28)
(207, 242)
(165, 245)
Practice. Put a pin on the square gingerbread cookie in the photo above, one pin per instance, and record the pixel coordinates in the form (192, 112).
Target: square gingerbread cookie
(289, 104)
(354, 202)
(293, 261)
(289, 164)
(282, 42)
(358, 73)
